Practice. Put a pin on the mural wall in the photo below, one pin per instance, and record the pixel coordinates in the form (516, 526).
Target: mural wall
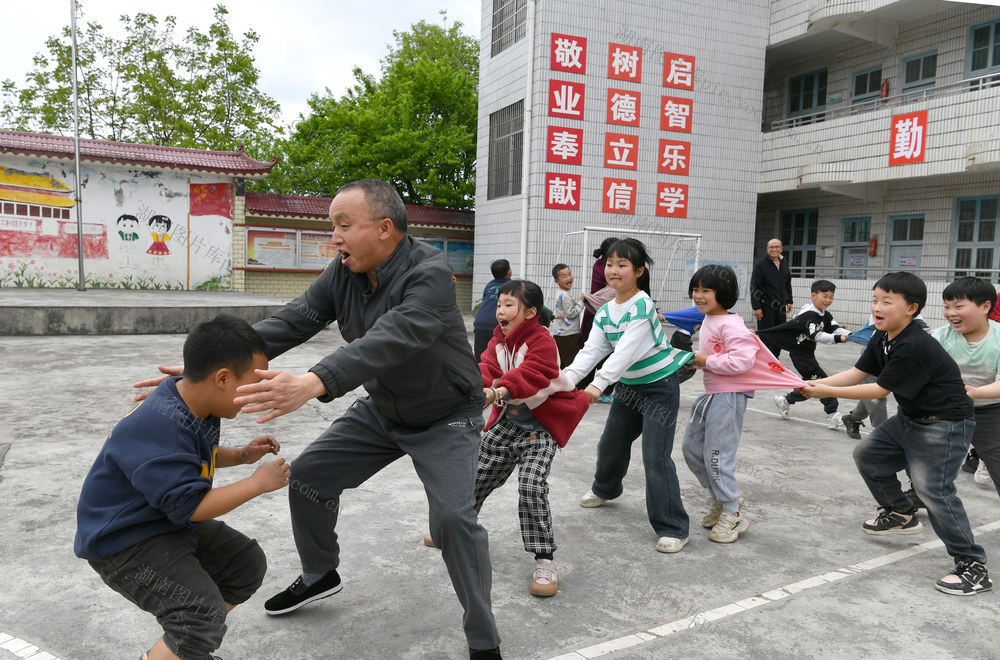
(146, 229)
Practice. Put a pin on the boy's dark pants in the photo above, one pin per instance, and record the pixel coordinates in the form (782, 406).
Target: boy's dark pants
(986, 440)
(568, 346)
(933, 449)
(809, 369)
(185, 579)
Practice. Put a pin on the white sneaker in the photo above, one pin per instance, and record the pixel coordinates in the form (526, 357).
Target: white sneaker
(670, 545)
(729, 528)
(982, 476)
(545, 579)
(591, 501)
(834, 419)
(782, 405)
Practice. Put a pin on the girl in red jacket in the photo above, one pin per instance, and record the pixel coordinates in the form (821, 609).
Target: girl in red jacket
(534, 409)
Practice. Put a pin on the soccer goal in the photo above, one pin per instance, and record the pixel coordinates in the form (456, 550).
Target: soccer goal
(675, 257)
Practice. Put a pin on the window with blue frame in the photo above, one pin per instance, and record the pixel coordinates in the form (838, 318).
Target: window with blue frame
(977, 243)
(867, 85)
(798, 238)
(984, 57)
(919, 72)
(807, 94)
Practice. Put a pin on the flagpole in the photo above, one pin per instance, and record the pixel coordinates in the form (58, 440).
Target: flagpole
(81, 283)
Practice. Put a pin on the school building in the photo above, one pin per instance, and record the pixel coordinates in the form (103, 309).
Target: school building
(862, 133)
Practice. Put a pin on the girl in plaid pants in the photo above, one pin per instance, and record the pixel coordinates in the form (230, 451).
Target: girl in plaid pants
(534, 409)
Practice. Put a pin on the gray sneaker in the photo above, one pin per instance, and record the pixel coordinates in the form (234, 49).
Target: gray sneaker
(712, 517)
(729, 528)
(782, 404)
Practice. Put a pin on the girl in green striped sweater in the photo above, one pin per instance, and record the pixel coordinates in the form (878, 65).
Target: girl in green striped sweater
(627, 330)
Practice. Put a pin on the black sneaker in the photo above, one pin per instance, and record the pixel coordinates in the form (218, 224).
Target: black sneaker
(971, 463)
(917, 502)
(298, 594)
(853, 426)
(487, 654)
(968, 578)
(890, 522)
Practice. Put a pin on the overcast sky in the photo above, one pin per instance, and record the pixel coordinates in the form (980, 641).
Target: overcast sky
(305, 45)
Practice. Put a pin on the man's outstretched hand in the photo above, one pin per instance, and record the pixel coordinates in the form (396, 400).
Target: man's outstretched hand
(150, 383)
(278, 393)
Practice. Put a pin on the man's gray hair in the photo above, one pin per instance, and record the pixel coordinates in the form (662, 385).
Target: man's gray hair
(383, 200)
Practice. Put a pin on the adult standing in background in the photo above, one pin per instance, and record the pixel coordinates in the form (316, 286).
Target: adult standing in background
(771, 290)
(597, 281)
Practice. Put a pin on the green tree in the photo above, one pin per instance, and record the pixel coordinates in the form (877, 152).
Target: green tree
(201, 91)
(414, 127)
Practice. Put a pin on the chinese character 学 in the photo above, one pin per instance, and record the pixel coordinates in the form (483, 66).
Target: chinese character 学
(672, 199)
(567, 53)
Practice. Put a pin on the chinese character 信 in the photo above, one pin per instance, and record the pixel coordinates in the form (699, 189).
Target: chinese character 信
(564, 145)
(561, 191)
(567, 53)
(619, 196)
(623, 107)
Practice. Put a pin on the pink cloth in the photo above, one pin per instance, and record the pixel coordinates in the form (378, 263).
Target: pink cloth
(737, 359)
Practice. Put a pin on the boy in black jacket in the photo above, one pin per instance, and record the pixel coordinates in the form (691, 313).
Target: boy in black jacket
(929, 434)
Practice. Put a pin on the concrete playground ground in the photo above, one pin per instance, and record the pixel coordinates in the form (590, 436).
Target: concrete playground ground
(803, 582)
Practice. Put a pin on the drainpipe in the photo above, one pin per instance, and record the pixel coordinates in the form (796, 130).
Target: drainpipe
(526, 142)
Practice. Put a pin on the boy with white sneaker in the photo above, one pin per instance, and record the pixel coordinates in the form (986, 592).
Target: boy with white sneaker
(973, 341)
(929, 434)
(817, 326)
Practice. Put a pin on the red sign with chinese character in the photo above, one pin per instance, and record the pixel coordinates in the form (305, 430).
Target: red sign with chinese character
(619, 196)
(623, 107)
(568, 53)
(621, 151)
(908, 138)
(671, 200)
(674, 157)
(566, 99)
(676, 114)
(562, 191)
(624, 62)
(678, 71)
(564, 145)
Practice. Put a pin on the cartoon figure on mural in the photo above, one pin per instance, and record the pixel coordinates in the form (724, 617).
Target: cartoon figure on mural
(127, 225)
(159, 226)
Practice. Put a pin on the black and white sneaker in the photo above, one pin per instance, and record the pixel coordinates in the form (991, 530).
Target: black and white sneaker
(890, 522)
(853, 426)
(299, 594)
(967, 579)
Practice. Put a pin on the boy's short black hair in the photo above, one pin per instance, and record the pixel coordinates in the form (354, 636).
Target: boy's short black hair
(223, 342)
(972, 289)
(557, 268)
(908, 285)
(718, 278)
(822, 286)
(500, 268)
(125, 216)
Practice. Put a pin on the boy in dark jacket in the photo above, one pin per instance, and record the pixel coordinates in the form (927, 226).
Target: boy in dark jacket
(145, 520)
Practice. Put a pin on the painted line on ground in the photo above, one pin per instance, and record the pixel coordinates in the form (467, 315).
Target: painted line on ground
(789, 590)
(19, 648)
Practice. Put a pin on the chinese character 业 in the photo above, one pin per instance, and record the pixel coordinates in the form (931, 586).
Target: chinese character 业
(566, 101)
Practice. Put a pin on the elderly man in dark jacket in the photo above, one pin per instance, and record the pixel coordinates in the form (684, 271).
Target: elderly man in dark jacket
(394, 301)
(771, 290)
